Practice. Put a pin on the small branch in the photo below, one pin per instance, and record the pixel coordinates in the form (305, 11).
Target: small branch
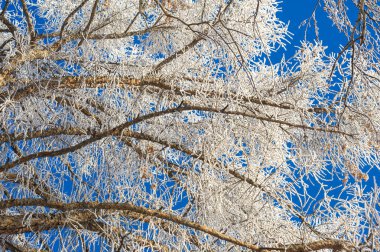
(29, 21)
(176, 54)
(5, 21)
(91, 19)
(67, 19)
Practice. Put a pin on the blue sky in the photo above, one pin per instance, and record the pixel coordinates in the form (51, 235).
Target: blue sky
(295, 12)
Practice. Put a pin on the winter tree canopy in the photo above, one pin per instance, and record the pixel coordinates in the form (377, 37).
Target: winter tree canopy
(166, 125)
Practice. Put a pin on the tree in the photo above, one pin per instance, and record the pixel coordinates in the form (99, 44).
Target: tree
(164, 126)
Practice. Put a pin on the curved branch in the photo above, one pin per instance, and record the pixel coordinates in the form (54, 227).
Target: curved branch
(114, 131)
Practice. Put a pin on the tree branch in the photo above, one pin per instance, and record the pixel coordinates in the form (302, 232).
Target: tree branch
(29, 21)
(14, 222)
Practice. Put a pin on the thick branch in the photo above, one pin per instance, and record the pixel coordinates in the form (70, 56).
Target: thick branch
(335, 245)
(17, 224)
(102, 82)
(117, 207)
